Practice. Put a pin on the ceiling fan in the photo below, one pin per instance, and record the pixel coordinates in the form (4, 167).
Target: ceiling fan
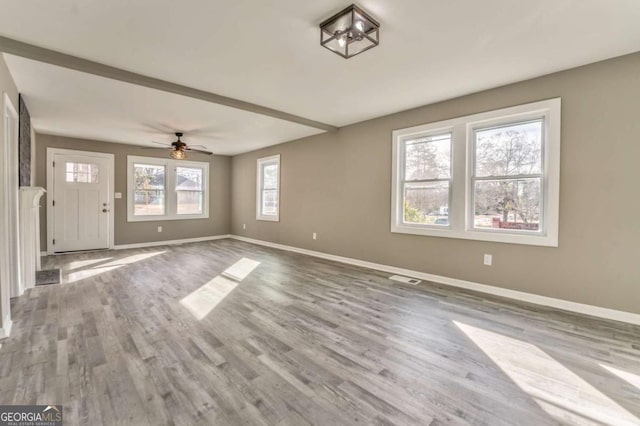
(179, 148)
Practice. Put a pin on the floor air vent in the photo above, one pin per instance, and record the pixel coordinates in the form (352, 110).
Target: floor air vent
(405, 280)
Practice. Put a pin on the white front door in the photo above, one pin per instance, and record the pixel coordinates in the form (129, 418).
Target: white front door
(81, 201)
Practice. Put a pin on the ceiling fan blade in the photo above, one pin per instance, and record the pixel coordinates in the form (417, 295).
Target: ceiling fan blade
(158, 127)
(202, 130)
(200, 151)
(198, 146)
(153, 147)
(162, 143)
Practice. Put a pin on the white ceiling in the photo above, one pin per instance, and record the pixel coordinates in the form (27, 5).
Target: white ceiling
(70, 103)
(268, 53)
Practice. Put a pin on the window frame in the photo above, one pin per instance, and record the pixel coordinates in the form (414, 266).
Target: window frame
(473, 178)
(260, 164)
(462, 203)
(171, 193)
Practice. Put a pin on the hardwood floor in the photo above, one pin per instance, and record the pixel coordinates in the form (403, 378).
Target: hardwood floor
(164, 336)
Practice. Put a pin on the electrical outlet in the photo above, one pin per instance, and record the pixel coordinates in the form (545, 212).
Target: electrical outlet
(244, 226)
(488, 259)
(314, 235)
(159, 228)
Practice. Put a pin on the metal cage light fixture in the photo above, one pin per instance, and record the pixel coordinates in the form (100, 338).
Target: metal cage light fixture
(178, 154)
(350, 32)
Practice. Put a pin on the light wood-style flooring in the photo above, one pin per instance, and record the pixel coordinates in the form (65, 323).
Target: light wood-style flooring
(227, 333)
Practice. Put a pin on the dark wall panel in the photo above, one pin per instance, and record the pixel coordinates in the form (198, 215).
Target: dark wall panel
(24, 150)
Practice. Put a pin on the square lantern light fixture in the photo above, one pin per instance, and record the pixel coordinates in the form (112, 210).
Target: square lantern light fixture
(350, 32)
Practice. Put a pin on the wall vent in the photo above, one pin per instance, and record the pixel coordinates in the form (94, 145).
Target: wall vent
(405, 280)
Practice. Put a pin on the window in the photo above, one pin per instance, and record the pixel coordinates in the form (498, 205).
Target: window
(426, 185)
(268, 188)
(81, 172)
(189, 189)
(149, 180)
(149, 199)
(492, 176)
(507, 176)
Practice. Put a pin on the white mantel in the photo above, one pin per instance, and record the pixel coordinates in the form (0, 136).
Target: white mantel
(29, 233)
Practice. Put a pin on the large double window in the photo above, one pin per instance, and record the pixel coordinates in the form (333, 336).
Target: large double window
(492, 176)
(164, 189)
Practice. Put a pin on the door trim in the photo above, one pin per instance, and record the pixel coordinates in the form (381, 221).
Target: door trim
(51, 191)
(9, 270)
(12, 197)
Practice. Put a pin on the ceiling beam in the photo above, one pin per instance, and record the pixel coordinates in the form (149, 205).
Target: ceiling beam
(30, 51)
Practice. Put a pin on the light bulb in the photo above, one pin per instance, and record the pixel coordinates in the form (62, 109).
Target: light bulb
(342, 41)
(359, 25)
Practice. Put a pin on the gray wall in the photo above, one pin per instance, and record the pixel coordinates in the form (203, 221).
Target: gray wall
(218, 222)
(339, 185)
(7, 86)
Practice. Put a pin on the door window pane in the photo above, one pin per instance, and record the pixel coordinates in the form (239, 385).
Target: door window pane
(81, 172)
(507, 204)
(149, 198)
(515, 149)
(426, 203)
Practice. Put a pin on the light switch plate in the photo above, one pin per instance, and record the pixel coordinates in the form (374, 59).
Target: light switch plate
(117, 195)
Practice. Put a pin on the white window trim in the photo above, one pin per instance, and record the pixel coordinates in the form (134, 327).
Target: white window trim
(259, 163)
(460, 207)
(171, 197)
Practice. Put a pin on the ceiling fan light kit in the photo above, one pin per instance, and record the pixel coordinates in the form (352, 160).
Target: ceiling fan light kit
(350, 32)
(178, 154)
(179, 149)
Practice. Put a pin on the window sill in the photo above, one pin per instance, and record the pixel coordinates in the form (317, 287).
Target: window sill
(509, 238)
(268, 218)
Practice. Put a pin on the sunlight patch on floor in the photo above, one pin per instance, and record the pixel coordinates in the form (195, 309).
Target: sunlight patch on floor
(109, 266)
(239, 270)
(556, 389)
(132, 259)
(633, 379)
(77, 264)
(87, 273)
(203, 300)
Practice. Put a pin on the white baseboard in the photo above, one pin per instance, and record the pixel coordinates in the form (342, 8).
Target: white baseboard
(5, 330)
(170, 242)
(158, 243)
(566, 305)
